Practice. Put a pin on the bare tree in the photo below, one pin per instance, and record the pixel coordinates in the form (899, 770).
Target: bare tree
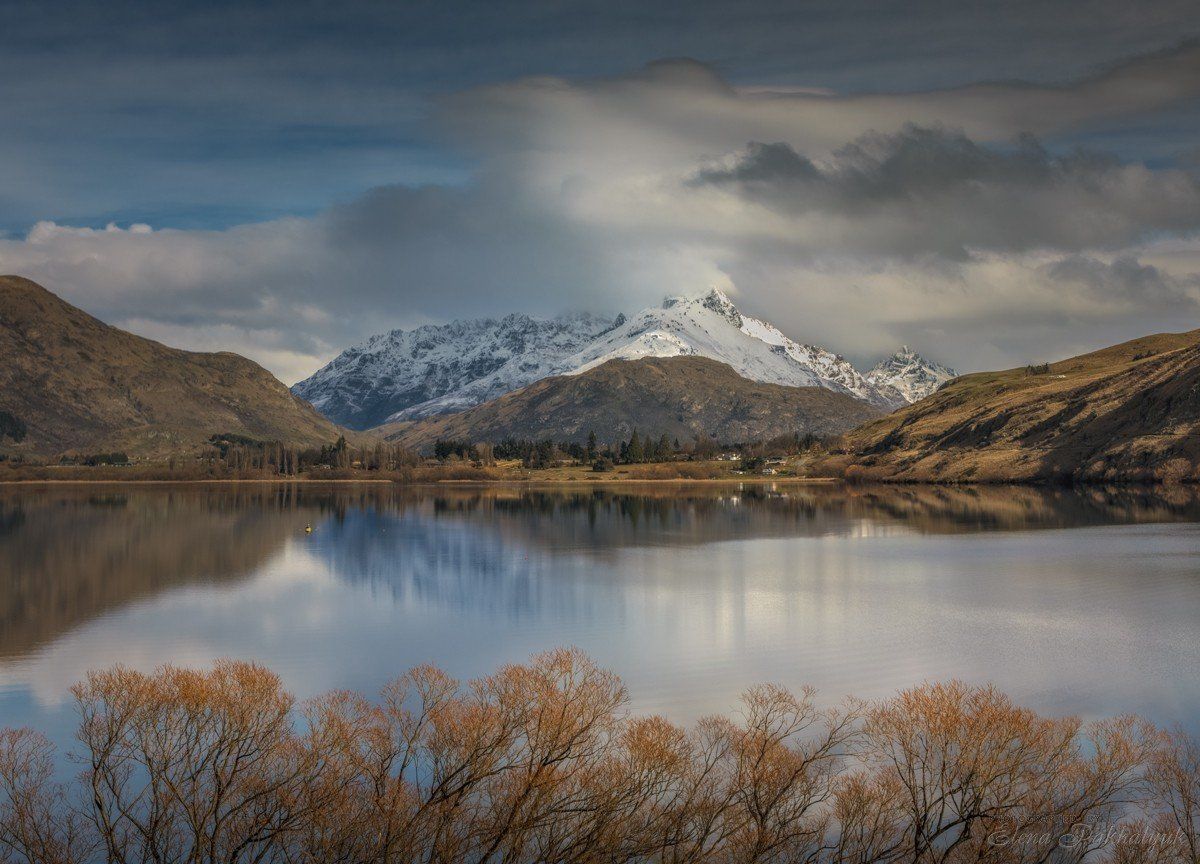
(963, 774)
(542, 762)
(187, 766)
(37, 823)
(1174, 802)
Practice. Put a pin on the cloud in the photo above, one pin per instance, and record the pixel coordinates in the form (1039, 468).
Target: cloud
(935, 190)
(1125, 277)
(930, 218)
(684, 107)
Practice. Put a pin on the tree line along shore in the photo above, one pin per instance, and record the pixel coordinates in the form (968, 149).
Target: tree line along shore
(639, 457)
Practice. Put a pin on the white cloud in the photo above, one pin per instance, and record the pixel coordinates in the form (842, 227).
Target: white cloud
(857, 231)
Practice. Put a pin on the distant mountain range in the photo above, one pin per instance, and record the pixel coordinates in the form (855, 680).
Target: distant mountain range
(1129, 413)
(682, 397)
(407, 375)
(694, 367)
(71, 383)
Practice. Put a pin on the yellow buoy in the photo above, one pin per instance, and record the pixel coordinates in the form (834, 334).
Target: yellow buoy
(307, 529)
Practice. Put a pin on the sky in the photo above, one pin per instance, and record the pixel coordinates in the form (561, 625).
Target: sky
(992, 183)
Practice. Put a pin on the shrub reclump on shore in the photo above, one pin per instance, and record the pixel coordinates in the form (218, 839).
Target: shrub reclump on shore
(542, 763)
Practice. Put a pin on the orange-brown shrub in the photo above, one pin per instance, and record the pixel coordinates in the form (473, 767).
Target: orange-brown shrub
(541, 762)
(677, 471)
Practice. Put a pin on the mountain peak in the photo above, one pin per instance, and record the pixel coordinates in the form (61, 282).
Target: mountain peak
(710, 325)
(909, 375)
(719, 302)
(715, 300)
(717, 297)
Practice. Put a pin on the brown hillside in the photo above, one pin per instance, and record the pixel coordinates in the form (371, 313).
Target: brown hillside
(1129, 413)
(680, 396)
(82, 386)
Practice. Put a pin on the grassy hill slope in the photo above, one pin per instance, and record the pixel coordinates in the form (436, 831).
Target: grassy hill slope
(679, 396)
(78, 385)
(1127, 413)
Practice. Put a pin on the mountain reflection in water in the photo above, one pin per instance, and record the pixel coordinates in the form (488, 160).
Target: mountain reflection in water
(690, 592)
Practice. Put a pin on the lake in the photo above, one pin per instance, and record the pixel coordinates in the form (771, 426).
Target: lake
(1072, 602)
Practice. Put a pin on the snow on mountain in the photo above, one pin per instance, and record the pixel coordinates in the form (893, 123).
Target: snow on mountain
(909, 375)
(406, 375)
(711, 326)
(435, 369)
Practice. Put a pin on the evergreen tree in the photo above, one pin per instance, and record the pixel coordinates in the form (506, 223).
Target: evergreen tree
(591, 447)
(635, 452)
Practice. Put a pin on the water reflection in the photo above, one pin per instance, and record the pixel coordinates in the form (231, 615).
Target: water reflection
(691, 593)
(70, 554)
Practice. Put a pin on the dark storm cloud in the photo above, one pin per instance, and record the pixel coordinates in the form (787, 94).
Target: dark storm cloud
(1125, 275)
(201, 113)
(939, 191)
(764, 167)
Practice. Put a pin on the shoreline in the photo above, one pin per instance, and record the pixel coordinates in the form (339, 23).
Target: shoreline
(459, 484)
(580, 483)
(188, 481)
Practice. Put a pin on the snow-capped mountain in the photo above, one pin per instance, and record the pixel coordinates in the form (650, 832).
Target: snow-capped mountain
(436, 369)
(909, 375)
(711, 326)
(406, 375)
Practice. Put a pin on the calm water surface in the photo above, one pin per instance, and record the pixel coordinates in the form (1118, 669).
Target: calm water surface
(1072, 602)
